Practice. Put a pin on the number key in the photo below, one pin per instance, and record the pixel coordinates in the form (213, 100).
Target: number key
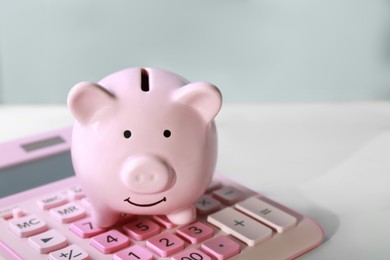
(85, 228)
(110, 241)
(195, 232)
(165, 244)
(135, 252)
(191, 254)
(72, 252)
(141, 229)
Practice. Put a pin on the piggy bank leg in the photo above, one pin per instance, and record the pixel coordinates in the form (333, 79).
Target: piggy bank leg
(183, 217)
(104, 217)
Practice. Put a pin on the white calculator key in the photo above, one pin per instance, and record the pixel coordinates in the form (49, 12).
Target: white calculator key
(267, 213)
(7, 212)
(68, 213)
(51, 201)
(207, 204)
(72, 252)
(228, 195)
(48, 241)
(27, 226)
(18, 212)
(76, 193)
(240, 226)
(214, 184)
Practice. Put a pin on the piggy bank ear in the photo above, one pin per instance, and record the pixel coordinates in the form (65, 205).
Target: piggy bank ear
(201, 96)
(87, 100)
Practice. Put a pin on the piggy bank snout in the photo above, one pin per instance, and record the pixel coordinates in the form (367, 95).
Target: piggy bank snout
(147, 174)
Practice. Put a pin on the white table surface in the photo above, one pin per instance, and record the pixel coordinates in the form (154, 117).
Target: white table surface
(329, 161)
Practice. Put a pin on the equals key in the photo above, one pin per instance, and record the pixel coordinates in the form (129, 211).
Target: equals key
(267, 213)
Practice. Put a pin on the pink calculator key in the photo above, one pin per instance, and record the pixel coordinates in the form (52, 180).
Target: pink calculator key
(48, 241)
(27, 226)
(195, 232)
(141, 229)
(165, 244)
(163, 220)
(68, 213)
(110, 241)
(228, 195)
(221, 247)
(85, 228)
(135, 252)
(51, 201)
(191, 253)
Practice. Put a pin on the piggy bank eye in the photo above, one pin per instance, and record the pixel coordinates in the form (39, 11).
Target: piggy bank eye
(167, 133)
(127, 134)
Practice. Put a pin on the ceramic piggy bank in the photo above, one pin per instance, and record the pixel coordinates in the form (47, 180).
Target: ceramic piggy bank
(144, 142)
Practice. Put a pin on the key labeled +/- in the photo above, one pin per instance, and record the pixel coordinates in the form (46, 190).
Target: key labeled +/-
(240, 226)
(267, 213)
(72, 252)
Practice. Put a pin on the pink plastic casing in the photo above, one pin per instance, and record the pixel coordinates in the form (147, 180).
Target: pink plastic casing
(144, 143)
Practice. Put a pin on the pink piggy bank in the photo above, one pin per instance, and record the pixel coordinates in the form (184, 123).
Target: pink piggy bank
(144, 143)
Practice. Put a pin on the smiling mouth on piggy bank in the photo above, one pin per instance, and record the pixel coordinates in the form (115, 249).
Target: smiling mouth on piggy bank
(145, 205)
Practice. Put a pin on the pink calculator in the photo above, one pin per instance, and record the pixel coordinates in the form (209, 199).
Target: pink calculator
(44, 214)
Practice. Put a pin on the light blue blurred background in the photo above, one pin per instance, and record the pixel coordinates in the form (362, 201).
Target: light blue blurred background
(255, 51)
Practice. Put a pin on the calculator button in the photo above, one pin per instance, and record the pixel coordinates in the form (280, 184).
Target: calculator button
(85, 228)
(51, 201)
(163, 220)
(228, 195)
(85, 203)
(27, 226)
(48, 241)
(141, 229)
(68, 213)
(110, 241)
(267, 213)
(214, 184)
(195, 232)
(165, 244)
(240, 226)
(221, 247)
(72, 252)
(6, 213)
(191, 253)
(135, 252)
(18, 212)
(207, 204)
(76, 193)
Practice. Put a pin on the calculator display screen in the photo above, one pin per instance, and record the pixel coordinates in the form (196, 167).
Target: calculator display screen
(35, 173)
